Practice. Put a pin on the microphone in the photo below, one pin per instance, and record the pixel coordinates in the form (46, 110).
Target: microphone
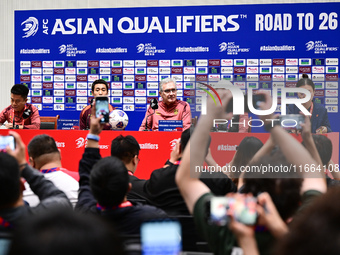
(26, 114)
(153, 106)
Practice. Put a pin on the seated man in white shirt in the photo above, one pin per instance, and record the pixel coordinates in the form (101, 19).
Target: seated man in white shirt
(45, 156)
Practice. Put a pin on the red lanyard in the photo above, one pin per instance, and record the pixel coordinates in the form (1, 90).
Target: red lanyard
(51, 170)
(122, 205)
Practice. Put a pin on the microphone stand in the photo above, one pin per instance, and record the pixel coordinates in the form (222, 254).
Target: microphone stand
(146, 120)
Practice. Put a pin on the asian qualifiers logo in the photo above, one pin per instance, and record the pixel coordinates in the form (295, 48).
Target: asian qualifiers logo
(80, 142)
(173, 143)
(140, 48)
(62, 49)
(309, 45)
(31, 27)
(223, 46)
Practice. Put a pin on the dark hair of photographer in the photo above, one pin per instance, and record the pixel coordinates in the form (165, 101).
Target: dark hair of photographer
(125, 148)
(9, 180)
(245, 152)
(41, 145)
(66, 233)
(109, 181)
(317, 231)
(285, 192)
(324, 147)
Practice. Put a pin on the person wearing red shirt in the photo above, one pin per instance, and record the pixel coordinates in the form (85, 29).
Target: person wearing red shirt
(99, 88)
(25, 115)
(170, 108)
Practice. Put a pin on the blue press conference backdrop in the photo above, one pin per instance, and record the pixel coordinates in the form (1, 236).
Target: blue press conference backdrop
(59, 53)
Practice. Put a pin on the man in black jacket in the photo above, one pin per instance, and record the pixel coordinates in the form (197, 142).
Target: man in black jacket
(13, 209)
(104, 185)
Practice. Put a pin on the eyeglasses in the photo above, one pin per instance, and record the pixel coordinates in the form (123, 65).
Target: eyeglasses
(170, 90)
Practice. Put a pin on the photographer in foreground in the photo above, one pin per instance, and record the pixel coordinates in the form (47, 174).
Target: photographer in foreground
(283, 192)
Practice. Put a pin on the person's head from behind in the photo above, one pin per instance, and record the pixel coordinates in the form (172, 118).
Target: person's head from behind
(316, 230)
(19, 95)
(185, 137)
(42, 149)
(168, 90)
(324, 147)
(307, 84)
(100, 88)
(109, 181)
(9, 180)
(245, 152)
(285, 192)
(65, 232)
(126, 148)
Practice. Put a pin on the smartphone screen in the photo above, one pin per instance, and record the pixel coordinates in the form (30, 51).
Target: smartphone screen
(102, 108)
(243, 210)
(7, 140)
(292, 121)
(161, 237)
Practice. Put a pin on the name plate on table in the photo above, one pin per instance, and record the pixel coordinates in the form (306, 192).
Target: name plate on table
(170, 125)
(65, 124)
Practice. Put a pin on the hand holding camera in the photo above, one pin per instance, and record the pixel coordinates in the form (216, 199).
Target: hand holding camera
(19, 151)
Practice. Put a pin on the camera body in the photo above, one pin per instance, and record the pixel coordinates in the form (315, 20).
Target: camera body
(243, 209)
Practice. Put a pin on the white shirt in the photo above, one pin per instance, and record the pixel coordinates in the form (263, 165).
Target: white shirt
(62, 181)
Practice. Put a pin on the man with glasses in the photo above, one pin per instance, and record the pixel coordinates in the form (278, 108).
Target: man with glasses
(170, 108)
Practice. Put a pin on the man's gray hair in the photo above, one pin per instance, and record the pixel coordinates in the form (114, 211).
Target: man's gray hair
(166, 81)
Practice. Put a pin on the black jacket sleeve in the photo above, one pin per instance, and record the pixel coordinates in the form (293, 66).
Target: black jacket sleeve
(86, 201)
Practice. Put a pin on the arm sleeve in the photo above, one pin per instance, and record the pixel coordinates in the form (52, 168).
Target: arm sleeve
(2, 116)
(47, 192)
(186, 117)
(82, 120)
(111, 108)
(35, 120)
(161, 179)
(142, 126)
(86, 201)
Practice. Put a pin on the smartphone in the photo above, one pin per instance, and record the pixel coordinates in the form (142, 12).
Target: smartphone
(243, 209)
(292, 121)
(7, 140)
(161, 237)
(102, 108)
